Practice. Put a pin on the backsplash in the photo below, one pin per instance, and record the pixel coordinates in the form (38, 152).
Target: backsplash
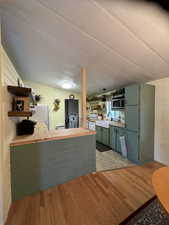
(118, 116)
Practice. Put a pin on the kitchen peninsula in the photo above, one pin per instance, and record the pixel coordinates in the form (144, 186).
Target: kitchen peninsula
(49, 158)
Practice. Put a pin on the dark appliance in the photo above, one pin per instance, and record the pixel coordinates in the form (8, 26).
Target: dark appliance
(118, 100)
(25, 127)
(118, 103)
(71, 113)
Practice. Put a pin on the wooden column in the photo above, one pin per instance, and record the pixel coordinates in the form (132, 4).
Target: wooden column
(84, 96)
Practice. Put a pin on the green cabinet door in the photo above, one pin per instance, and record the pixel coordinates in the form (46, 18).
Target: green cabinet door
(105, 136)
(98, 134)
(132, 95)
(120, 132)
(132, 118)
(113, 134)
(132, 141)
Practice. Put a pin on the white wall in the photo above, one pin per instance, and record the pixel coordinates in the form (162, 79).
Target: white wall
(162, 120)
(1, 146)
(8, 77)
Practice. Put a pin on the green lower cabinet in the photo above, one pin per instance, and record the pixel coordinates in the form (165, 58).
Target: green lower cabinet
(115, 134)
(132, 141)
(103, 135)
(120, 132)
(98, 134)
(113, 137)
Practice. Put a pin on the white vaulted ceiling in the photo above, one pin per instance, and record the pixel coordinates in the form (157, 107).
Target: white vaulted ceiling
(119, 42)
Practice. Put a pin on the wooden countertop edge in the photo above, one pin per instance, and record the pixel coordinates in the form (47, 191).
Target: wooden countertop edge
(39, 140)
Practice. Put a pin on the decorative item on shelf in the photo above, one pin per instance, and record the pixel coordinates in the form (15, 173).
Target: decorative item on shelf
(20, 91)
(37, 98)
(71, 96)
(21, 104)
(56, 105)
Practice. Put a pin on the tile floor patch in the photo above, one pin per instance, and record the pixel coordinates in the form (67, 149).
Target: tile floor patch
(111, 160)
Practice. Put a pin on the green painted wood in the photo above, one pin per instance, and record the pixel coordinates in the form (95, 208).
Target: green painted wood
(111, 134)
(139, 113)
(113, 137)
(118, 148)
(132, 117)
(147, 117)
(98, 134)
(39, 166)
(132, 95)
(139, 118)
(132, 141)
(106, 136)
(120, 132)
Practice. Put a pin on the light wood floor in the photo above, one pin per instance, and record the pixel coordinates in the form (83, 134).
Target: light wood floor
(102, 198)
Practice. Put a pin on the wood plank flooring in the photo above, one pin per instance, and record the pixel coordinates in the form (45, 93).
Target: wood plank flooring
(102, 198)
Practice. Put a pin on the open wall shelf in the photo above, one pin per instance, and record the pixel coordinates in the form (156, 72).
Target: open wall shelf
(24, 94)
(19, 114)
(19, 91)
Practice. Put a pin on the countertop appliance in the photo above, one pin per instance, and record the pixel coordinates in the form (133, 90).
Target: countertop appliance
(118, 103)
(71, 113)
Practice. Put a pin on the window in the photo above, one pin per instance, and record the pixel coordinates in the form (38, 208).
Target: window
(113, 114)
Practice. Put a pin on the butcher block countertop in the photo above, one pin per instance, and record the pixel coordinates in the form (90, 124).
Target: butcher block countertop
(42, 134)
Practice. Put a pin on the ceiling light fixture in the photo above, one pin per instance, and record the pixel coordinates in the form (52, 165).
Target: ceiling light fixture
(67, 84)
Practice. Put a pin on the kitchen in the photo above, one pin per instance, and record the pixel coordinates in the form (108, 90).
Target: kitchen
(121, 118)
(124, 124)
(120, 134)
(49, 46)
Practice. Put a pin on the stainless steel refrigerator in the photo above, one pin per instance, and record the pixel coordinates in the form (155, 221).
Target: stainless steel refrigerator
(71, 113)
